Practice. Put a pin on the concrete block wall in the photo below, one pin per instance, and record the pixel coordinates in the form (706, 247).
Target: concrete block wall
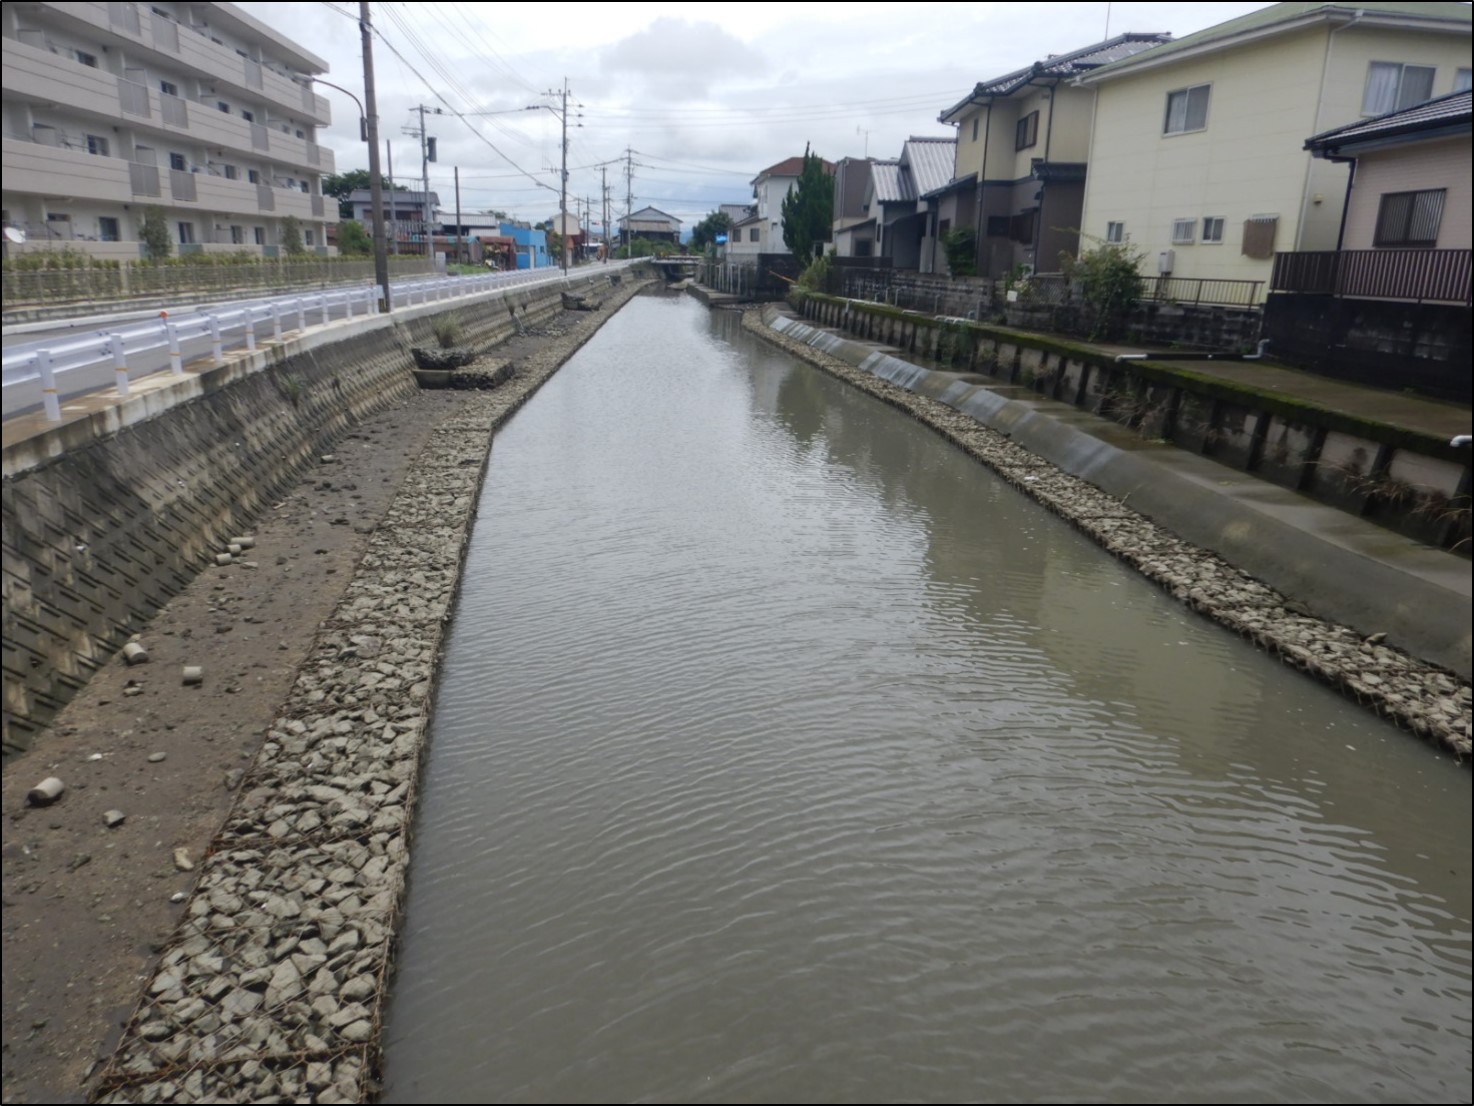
(104, 524)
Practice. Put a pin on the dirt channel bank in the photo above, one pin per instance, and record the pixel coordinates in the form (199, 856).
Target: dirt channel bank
(251, 889)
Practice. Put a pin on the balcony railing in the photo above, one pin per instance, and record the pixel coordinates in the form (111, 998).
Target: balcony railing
(1441, 276)
(181, 185)
(144, 179)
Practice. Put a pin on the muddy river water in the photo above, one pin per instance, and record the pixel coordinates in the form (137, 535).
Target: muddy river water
(781, 754)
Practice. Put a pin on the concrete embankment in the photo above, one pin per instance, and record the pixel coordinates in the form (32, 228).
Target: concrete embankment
(1424, 697)
(110, 512)
(271, 987)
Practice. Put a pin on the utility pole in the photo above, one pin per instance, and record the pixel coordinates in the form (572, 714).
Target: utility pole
(376, 183)
(458, 214)
(563, 184)
(604, 198)
(629, 191)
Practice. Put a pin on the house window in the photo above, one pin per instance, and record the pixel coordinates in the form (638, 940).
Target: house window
(1187, 110)
(169, 88)
(1026, 131)
(752, 234)
(223, 106)
(1182, 231)
(1392, 86)
(998, 226)
(974, 128)
(89, 60)
(1023, 226)
(238, 236)
(186, 233)
(177, 161)
(96, 144)
(1212, 229)
(1115, 232)
(232, 173)
(1463, 79)
(107, 228)
(307, 238)
(1410, 218)
(944, 228)
(248, 116)
(260, 235)
(1259, 232)
(304, 186)
(253, 176)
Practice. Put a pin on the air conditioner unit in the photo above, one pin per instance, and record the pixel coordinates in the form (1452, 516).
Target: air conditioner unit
(1166, 262)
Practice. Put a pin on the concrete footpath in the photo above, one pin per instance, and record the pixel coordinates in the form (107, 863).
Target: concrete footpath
(1381, 617)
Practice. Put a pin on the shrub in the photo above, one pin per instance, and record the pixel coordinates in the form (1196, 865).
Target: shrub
(1110, 281)
(447, 330)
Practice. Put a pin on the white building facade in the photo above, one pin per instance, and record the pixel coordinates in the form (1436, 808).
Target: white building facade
(197, 110)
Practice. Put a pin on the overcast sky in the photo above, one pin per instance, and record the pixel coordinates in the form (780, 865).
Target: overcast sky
(706, 95)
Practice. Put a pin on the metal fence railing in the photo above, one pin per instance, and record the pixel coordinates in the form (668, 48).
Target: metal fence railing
(42, 373)
(98, 283)
(1441, 276)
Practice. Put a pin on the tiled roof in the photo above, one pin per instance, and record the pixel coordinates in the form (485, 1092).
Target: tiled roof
(790, 167)
(1428, 14)
(930, 161)
(1452, 113)
(1057, 66)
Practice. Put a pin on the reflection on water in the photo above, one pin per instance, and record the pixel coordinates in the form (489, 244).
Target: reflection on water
(782, 754)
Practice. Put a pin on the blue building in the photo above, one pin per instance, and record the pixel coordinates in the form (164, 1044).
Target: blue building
(532, 245)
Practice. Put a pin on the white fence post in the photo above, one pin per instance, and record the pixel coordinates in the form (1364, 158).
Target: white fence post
(176, 361)
(301, 314)
(275, 322)
(217, 351)
(250, 330)
(120, 363)
(49, 398)
(325, 315)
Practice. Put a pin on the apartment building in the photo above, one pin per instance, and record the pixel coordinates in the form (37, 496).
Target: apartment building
(199, 110)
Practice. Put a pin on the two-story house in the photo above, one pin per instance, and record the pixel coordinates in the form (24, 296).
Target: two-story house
(1023, 140)
(197, 110)
(762, 231)
(904, 223)
(1197, 152)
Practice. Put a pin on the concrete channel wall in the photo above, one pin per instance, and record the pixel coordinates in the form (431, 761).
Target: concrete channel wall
(105, 518)
(1330, 594)
(1412, 483)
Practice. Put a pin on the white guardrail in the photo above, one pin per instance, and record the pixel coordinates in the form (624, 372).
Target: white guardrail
(44, 372)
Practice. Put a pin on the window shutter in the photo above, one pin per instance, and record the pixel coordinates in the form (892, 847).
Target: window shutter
(1259, 232)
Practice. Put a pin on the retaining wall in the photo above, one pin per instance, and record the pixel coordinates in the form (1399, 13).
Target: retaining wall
(1415, 484)
(105, 518)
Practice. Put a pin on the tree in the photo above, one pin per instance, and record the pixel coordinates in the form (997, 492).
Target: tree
(1110, 279)
(341, 185)
(705, 233)
(353, 239)
(808, 209)
(154, 233)
(291, 236)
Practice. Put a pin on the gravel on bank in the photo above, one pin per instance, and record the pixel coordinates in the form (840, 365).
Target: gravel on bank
(1412, 693)
(270, 985)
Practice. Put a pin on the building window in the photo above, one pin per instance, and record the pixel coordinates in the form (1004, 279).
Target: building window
(223, 106)
(1410, 218)
(1463, 79)
(1115, 232)
(96, 144)
(308, 238)
(304, 186)
(1392, 86)
(177, 161)
(186, 233)
(89, 60)
(1187, 110)
(169, 88)
(1259, 232)
(237, 236)
(232, 173)
(1182, 231)
(974, 128)
(1023, 224)
(260, 234)
(998, 226)
(107, 228)
(253, 176)
(753, 233)
(1026, 131)
(248, 116)
(1212, 229)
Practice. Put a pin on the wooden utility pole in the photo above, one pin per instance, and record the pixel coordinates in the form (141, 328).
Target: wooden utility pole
(376, 182)
(458, 214)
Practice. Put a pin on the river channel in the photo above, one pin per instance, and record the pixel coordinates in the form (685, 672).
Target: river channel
(782, 754)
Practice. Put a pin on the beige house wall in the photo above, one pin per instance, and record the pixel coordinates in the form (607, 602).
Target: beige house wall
(1412, 168)
(1266, 98)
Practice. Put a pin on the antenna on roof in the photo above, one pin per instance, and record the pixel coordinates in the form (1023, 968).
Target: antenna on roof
(1108, 22)
(862, 130)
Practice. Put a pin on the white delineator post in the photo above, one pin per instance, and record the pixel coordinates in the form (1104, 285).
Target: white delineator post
(120, 363)
(49, 398)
